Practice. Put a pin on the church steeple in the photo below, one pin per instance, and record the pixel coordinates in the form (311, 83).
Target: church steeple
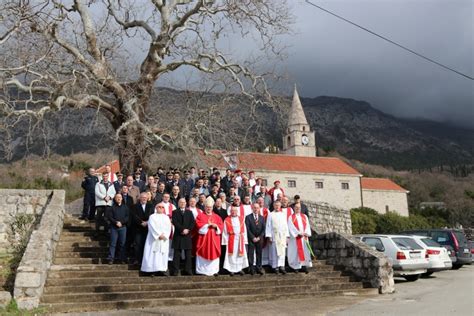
(299, 139)
(297, 116)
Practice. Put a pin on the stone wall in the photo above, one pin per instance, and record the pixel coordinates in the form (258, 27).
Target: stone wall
(14, 202)
(39, 254)
(326, 219)
(370, 266)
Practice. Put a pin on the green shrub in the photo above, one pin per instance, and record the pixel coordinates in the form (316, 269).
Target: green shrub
(363, 223)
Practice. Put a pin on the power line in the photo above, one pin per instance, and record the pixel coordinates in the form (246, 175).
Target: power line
(390, 41)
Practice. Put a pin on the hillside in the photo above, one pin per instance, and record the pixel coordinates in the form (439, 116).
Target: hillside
(352, 128)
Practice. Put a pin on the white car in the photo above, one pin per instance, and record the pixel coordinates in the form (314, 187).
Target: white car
(408, 258)
(438, 255)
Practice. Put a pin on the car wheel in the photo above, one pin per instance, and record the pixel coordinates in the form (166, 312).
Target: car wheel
(427, 274)
(457, 266)
(412, 278)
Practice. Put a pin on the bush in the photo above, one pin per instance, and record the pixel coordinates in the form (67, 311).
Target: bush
(364, 220)
(362, 223)
(368, 221)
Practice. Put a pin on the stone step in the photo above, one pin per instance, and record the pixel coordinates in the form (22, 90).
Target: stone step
(70, 248)
(135, 274)
(172, 283)
(317, 266)
(178, 280)
(78, 238)
(75, 254)
(147, 303)
(206, 292)
(80, 243)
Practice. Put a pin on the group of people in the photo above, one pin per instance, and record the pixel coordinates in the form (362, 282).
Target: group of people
(231, 223)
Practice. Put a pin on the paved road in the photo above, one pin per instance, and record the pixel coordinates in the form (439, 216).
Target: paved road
(444, 293)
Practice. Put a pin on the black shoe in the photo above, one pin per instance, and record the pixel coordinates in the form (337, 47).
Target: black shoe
(260, 271)
(82, 217)
(252, 272)
(231, 274)
(165, 274)
(305, 270)
(216, 274)
(190, 273)
(282, 271)
(295, 271)
(175, 274)
(241, 273)
(276, 271)
(111, 261)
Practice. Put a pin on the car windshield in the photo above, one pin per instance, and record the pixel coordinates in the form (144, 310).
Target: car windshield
(430, 242)
(406, 243)
(460, 237)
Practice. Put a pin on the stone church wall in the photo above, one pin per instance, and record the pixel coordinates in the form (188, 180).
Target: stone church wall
(381, 201)
(331, 193)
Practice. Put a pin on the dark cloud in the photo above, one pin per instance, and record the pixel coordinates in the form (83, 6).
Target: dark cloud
(330, 57)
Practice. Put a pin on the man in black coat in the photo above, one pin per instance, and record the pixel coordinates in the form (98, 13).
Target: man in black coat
(304, 208)
(183, 221)
(140, 214)
(255, 224)
(88, 184)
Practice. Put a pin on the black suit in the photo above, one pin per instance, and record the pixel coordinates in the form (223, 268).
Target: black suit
(138, 216)
(255, 229)
(181, 221)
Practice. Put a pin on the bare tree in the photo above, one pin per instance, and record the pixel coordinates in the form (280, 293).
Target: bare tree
(110, 54)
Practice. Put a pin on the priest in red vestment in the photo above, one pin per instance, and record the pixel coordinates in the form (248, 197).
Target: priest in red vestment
(208, 250)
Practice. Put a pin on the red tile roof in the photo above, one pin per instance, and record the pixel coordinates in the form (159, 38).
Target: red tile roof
(114, 167)
(380, 184)
(277, 162)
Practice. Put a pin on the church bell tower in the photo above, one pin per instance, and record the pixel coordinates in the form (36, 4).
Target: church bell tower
(299, 139)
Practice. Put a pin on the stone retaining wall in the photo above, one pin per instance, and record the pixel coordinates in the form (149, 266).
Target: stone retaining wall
(39, 254)
(326, 219)
(343, 250)
(14, 202)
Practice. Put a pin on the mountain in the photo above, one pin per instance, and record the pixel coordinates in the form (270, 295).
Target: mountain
(352, 128)
(357, 130)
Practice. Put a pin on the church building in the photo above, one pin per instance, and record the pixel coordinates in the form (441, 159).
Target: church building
(316, 179)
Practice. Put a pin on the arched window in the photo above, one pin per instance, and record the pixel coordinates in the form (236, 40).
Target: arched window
(289, 140)
(304, 128)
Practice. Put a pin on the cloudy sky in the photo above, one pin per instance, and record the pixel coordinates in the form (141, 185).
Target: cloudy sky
(330, 57)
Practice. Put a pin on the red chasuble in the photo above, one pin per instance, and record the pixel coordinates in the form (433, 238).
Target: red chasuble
(299, 239)
(209, 245)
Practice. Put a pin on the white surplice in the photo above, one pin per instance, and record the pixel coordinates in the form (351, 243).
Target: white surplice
(293, 258)
(277, 230)
(234, 262)
(155, 254)
(169, 208)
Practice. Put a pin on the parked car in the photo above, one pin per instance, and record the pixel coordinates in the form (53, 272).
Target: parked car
(408, 258)
(439, 258)
(448, 237)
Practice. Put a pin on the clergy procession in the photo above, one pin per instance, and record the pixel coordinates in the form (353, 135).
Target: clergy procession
(198, 224)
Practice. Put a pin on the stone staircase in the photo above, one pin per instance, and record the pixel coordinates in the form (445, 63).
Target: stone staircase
(79, 282)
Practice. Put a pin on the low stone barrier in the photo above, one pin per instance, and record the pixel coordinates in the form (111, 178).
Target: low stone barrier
(14, 202)
(325, 219)
(343, 250)
(39, 254)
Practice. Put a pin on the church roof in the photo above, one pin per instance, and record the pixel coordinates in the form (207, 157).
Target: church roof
(381, 184)
(277, 162)
(297, 116)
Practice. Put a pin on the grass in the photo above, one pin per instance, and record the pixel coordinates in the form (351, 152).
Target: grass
(12, 310)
